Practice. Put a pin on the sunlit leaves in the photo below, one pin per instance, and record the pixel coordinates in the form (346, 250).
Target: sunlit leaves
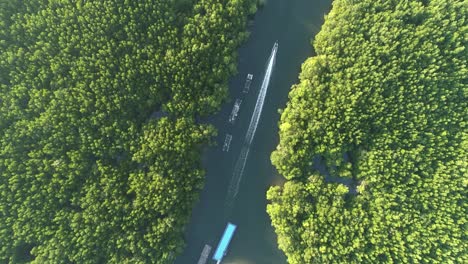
(383, 105)
(99, 150)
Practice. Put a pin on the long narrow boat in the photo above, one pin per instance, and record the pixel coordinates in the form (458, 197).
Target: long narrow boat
(221, 250)
(227, 142)
(204, 255)
(235, 111)
(248, 81)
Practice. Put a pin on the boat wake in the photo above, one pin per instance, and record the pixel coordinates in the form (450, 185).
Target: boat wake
(242, 160)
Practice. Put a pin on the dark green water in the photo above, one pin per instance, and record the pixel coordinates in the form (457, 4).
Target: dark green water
(293, 23)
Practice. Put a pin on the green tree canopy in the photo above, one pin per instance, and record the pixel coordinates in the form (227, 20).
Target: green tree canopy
(384, 104)
(99, 150)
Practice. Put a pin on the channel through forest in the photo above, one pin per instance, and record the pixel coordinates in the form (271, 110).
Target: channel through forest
(102, 129)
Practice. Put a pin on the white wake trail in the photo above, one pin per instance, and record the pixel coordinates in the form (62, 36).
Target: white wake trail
(242, 160)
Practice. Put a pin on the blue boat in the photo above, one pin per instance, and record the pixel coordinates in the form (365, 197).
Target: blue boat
(224, 242)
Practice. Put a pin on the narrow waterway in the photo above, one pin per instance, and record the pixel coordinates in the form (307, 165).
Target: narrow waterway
(293, 23)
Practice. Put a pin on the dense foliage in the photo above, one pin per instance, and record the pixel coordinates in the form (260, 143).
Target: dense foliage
(374, 139)
(99, 150)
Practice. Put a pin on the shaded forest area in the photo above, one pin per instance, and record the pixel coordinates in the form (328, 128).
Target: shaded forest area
(99, 147)
(383, 104)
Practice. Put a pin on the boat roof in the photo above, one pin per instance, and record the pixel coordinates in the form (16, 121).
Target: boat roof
(224, 242)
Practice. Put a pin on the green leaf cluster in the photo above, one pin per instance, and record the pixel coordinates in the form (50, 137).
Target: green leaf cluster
(374, 138)
(99, 147)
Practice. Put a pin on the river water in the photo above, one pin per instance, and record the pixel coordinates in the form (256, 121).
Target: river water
(293, 23)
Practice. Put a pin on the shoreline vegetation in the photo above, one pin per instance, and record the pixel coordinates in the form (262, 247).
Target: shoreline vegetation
(99, 147)
(382, 105)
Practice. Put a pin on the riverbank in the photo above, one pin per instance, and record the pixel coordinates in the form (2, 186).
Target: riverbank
(293, 24)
